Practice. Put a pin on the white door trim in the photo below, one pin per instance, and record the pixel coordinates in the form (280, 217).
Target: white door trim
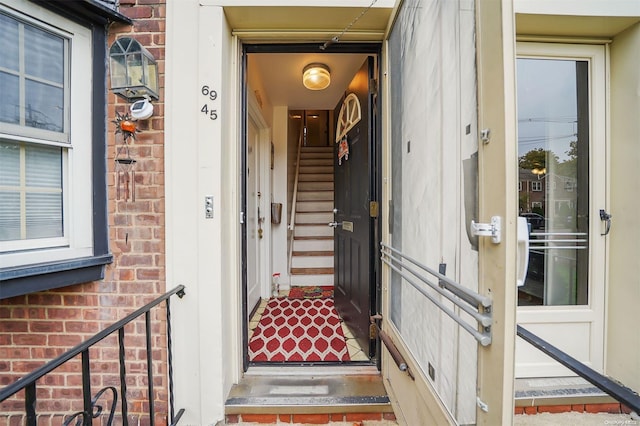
(592, 315)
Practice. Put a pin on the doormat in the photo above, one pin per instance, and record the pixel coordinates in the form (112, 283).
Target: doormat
(311, 292)
(298, 330)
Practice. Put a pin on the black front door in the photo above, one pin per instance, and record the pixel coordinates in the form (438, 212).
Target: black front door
(354, 190)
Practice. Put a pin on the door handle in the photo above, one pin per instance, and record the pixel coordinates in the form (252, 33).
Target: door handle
(607, 218)
(522, 251)
(334, 224)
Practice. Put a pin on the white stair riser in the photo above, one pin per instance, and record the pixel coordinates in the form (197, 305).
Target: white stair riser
(313, 231)
(297, 280)
(315, 177)
(312, 262)
(314, 206)
(316, 157)
(326, 170)
(315, 196)
(315, 186)
(320, 218)
(312, 245)
(306, 162)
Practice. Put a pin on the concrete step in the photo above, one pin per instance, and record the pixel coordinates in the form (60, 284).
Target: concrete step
(322, 230)
(315, 398)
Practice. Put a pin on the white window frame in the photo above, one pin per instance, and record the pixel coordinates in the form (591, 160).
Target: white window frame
(76, 141)
(536, 186)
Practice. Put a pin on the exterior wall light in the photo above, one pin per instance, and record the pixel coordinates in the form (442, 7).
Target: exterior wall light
(134, 71)
(316, 76)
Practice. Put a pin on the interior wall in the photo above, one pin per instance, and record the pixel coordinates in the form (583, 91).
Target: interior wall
(280, 174)
(623, 340)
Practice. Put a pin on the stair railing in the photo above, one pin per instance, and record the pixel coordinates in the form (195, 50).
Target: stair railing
(292, 220)
(103, 405)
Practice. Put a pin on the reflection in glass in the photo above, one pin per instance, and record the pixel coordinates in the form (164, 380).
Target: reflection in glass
(10, 105)
(32, 76)
(553, 144)
(44, 106)
(9, 43)
(44, 55)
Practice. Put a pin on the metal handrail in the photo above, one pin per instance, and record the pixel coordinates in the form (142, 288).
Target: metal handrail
(616, 390)
(28, 382)
(292, 220)
(474, 304)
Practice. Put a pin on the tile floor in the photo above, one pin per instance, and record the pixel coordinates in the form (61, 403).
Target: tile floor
(355, 351)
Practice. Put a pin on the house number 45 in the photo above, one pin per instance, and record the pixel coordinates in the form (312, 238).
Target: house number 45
(207, 109)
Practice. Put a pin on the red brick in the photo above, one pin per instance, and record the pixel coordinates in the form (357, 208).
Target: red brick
(625, 409)
(337, 417)
(260, 418)
(14, 326)
(389, 416)
(45, 326)
(554, 408)
(530, 410)
(518, 410)
(577, 407)
(613, 408)
(354, 417)
(314, 419)
(137, 12)
(284, 418)
(29, 339)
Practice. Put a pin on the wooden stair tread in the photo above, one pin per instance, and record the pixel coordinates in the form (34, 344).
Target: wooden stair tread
(312, 253)
(311, 271)
(320, 237)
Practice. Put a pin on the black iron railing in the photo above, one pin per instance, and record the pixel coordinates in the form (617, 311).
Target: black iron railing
(616, 390)
(92, 405)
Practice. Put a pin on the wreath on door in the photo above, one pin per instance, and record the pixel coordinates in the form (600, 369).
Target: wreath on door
(350, 115)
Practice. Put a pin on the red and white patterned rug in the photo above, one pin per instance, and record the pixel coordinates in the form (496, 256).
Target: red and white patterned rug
(298, 330)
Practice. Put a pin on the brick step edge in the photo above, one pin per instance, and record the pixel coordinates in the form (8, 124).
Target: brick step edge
(608, 407)
(325, 418)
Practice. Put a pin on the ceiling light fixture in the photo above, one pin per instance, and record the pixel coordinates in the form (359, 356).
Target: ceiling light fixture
(316, 76)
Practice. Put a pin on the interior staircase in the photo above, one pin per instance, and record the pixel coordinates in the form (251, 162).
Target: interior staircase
(312, 256)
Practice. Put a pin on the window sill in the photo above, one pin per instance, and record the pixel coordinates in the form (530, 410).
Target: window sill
(47, 276)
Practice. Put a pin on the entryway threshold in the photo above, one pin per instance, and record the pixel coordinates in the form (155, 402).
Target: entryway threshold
(557, 391)
(316, 391)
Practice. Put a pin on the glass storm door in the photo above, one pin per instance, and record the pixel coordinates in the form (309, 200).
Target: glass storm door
(561, 188)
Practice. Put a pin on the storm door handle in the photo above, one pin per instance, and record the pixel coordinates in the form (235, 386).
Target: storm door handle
(607, 218)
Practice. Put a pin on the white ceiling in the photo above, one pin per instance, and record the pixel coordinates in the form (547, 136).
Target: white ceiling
(278, 78)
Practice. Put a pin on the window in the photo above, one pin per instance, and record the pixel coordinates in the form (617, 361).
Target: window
(53, 227)
(536, 185)
(519, 186)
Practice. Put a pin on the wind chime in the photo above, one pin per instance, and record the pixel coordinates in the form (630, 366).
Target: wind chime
(125, 165)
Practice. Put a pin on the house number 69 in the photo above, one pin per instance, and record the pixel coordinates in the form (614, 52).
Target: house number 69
(207, 109)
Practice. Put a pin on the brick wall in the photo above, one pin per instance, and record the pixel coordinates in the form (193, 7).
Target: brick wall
(38, 327)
